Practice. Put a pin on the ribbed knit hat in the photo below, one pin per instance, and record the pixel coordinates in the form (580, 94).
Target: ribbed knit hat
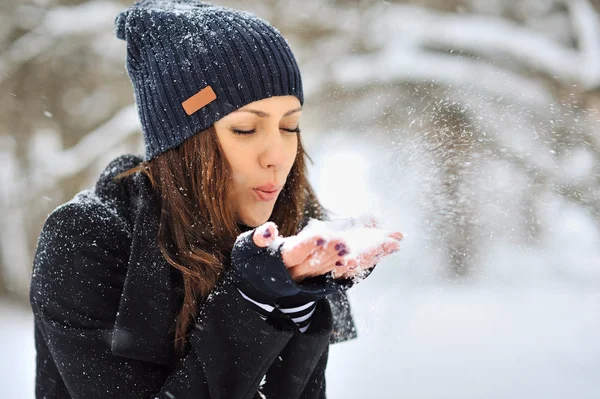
(192, 63)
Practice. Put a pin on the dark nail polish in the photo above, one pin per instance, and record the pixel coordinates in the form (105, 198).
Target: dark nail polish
(338, 263)
(340, 246)
(320, 242)
(342, 252)
(267, 234)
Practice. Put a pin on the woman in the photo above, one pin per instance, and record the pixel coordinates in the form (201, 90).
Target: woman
(159, 282)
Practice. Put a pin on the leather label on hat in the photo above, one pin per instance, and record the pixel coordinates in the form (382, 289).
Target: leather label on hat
(199, 100)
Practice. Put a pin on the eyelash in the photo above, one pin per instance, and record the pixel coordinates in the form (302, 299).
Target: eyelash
(244, 132)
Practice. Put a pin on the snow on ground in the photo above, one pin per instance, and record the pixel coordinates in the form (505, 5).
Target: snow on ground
(470, 342)
(17, 352)
(427, 342)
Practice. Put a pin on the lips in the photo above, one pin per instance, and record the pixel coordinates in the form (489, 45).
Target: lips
(267, 192)
(269, 188)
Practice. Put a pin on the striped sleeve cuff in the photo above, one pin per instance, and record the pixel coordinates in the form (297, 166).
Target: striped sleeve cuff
(300, 315)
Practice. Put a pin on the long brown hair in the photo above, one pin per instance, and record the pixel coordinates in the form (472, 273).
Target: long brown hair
(197, 223)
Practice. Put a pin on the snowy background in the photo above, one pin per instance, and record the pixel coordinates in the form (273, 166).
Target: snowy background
(471, 125)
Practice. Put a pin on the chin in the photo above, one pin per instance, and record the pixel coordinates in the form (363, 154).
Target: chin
(256, 220)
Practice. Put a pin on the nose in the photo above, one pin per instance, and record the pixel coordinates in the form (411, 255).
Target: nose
(273, 152)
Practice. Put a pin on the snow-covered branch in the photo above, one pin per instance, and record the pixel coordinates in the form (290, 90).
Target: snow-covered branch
(397, 63)
(62, 164)
(485, 35)
(579, 194)
(586, 24)
(83, 19)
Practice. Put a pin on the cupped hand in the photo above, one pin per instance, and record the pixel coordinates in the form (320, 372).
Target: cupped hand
(369, 258)
(313, 255)
(307, 256)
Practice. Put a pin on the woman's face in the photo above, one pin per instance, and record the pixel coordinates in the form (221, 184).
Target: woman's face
(261, 159)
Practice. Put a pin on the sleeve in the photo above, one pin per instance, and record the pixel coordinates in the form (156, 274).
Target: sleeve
(316, 386)
(300, 315)
(299, 370)
(77, 280)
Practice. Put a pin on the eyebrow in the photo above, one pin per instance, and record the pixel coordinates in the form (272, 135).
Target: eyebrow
(266, 115)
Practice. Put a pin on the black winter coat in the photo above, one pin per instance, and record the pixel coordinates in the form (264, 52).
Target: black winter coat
(105, 301)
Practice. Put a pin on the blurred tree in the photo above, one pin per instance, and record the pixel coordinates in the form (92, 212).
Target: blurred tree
(493, 83)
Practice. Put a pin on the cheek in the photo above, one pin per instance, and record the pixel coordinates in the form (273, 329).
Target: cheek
(291, 151)
(239, 179)
(239, 170)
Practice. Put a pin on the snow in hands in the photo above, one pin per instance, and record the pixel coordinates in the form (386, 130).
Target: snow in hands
(361, 242)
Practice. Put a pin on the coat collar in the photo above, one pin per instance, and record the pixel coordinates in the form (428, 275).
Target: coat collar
(145, 324)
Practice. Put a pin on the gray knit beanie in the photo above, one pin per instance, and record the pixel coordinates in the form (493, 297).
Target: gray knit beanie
(192, 63)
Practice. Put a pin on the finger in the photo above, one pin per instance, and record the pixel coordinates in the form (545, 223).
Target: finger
(321, 259)
(327, 252)
(331, 266)
(346, 265)
(383, 249)
(396, 235)
(315, 265)
(334, 263)
(302, 271)
(317, 259)
(369, 254)
(340, 260)
(364, 259)
(372, 257)
(390, 248)
(350, 273)
(353, 271)
(336, 248)
(298, 253)
(340, 270)
(264, 235)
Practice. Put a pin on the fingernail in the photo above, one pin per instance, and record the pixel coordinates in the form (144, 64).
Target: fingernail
(342, 252)
(339, 246)
(320, 242)
(338, 263)
(267, 234)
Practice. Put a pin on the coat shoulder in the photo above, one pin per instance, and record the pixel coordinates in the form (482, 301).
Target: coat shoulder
(79, 265)
(86, 216)
(88, 235)
(78, 229)
(100, 213)
(109, 188)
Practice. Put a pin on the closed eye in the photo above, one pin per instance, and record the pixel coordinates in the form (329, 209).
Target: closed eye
(242, 132)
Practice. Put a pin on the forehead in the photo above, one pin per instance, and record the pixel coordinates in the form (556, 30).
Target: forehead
(276, 103)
